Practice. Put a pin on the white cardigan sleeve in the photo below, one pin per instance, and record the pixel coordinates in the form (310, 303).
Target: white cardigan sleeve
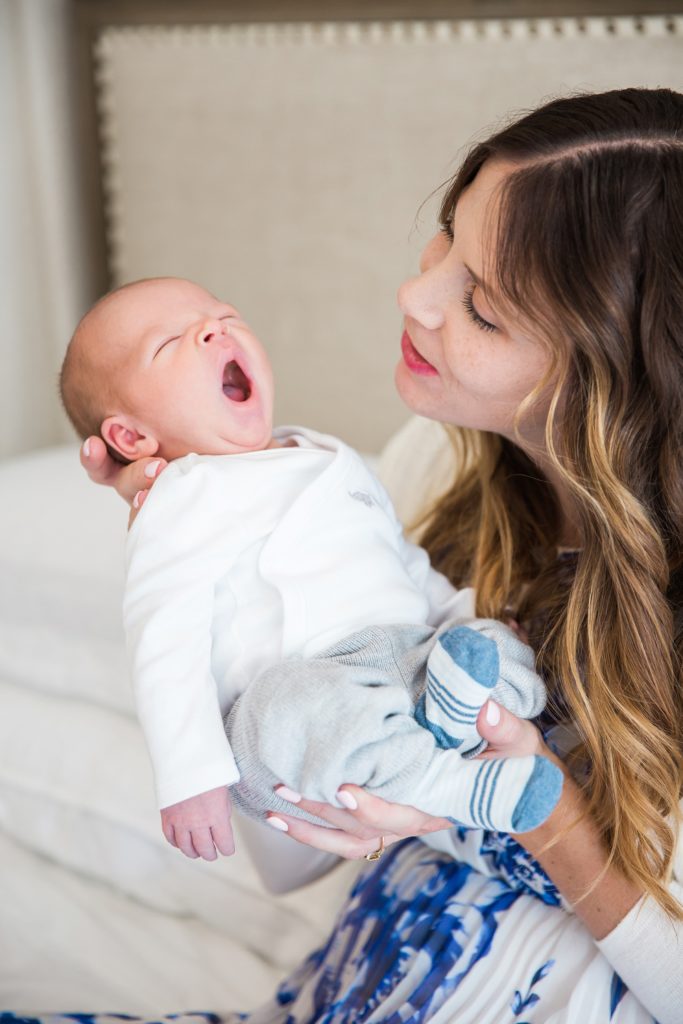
(176, 548)
(283, 864)
(646, 951)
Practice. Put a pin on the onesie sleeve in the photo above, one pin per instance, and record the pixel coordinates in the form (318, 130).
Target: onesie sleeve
(177, 548)
(446, 604)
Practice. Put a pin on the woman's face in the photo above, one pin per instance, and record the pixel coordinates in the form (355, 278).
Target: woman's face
(462, 361)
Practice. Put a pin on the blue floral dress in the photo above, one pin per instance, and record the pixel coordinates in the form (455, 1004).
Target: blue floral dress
(477, 937)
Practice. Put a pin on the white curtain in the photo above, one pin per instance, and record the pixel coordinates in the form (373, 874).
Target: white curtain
(43, 258)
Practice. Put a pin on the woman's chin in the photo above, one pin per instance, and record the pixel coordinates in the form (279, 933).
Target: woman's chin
(414, 393)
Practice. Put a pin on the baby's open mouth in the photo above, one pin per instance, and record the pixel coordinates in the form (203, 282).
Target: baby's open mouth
(236, 385)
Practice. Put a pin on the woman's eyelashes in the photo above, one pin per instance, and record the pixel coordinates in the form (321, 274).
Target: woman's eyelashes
(475, 317)
(446, 228)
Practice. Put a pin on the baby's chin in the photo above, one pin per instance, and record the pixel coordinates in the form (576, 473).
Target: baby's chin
(216, 446)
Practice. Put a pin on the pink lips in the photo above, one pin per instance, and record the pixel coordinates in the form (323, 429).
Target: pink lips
(413, 360)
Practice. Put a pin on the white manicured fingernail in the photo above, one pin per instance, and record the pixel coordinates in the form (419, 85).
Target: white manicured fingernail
(346, 800)
(136, 499)
(86, 447)
(278, 823)
(492, 713)
(288, 794)
(151, 469)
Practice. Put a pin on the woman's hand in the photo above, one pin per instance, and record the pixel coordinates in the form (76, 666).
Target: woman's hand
(131, 482)
(357, 830)
(510, 736)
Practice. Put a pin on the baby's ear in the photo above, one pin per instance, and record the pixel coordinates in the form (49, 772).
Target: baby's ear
(126, 439)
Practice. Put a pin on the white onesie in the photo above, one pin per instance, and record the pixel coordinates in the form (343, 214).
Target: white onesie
(237, 562)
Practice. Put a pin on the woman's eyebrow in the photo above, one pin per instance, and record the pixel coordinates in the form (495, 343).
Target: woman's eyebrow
(489, 293)
(480, 283)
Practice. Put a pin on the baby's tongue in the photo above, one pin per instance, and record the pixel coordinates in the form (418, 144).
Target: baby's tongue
(235, 383)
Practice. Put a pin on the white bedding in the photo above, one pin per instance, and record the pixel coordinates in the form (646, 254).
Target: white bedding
(73, 944)
(97, 912)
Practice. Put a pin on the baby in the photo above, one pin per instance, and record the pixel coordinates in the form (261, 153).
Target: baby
(281, 629)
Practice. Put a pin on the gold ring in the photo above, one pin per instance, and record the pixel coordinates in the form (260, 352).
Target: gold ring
(376, 854)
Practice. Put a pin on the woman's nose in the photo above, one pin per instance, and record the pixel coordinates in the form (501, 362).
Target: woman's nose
(418, 299)
(426, 296)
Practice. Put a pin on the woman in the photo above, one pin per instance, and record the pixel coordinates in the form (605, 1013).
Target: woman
(546, 325)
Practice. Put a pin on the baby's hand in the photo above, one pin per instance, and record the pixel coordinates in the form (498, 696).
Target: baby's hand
(200, 825)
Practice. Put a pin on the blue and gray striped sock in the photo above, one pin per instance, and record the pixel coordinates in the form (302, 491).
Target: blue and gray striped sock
(506, 794)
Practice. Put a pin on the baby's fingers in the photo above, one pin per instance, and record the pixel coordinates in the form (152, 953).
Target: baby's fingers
(223, 838)
(183, 840)
(169, 832)
(202, 843)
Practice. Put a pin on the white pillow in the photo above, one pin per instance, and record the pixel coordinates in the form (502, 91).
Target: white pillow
(61, 580)
(69, 943)
(76, 786)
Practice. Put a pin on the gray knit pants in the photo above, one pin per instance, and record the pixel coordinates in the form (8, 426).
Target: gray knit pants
(348, 715)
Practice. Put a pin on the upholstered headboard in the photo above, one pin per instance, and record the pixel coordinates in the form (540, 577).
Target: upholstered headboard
(284, 165)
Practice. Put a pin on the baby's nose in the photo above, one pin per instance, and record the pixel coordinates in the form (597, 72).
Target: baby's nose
(210, 332)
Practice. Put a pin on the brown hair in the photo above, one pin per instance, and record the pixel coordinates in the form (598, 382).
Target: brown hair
(82, 390)
(87, 377)
(589, 247)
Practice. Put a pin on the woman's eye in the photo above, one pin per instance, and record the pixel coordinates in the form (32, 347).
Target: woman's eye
(476, 319)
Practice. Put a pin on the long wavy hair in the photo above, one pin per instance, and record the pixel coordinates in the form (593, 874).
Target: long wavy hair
(589, 248)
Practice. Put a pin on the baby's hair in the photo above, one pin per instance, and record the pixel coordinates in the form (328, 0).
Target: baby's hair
(86, 390)
(80, 391)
